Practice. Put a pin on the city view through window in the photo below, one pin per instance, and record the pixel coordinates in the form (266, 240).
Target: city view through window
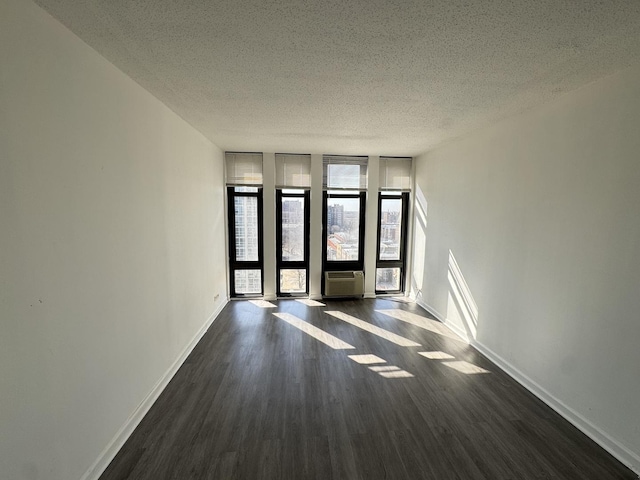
(388, 279)
(344, 195)
(246, 241)
(343, 229)
(293, 280)
(390, 228)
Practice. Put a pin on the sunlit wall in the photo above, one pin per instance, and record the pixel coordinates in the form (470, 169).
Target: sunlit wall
(531, 251)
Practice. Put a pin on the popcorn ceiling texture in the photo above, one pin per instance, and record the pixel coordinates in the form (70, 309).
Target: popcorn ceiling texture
(393, 77)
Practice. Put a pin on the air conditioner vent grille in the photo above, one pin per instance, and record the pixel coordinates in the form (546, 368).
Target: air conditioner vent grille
(340, 274)
(344, 284)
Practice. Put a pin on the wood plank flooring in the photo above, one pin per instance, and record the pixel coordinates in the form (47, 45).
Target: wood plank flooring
(260, 399)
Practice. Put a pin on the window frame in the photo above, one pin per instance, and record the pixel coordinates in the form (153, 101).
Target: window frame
(337, 265)
(234, 264)
(401, 262)
(297, 264)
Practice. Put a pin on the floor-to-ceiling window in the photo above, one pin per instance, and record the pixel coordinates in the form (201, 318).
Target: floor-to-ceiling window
(393, 207)
(293, 180)
(244, 208)
(288, 267)
(343, 209)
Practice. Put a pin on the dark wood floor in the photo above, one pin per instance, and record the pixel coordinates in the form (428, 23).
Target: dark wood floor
(260, 399)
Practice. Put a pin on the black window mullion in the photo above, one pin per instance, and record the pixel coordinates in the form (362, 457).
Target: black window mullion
(404, 232)
(278, 234)
(234, 264)
(379, 232)
(401, 262)
(288, 264)
(335, 265)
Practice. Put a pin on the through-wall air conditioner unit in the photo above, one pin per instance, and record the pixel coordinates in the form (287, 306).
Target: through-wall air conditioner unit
(344, 284)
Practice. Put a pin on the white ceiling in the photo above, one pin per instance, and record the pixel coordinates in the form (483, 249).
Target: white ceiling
(389, 77)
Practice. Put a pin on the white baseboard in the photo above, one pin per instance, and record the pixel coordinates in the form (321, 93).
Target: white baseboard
(109, 453)
(619, 451)
(431, 310)
(458, 331)
(369, 295)
(441, 318)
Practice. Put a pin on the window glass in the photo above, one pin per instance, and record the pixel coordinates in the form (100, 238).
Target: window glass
(293, 280)
(248, 281)
(390, 228)
(392, 231)
(387, 279)
(343, 229)
(293, 229)
(246, 228)
(292, 237)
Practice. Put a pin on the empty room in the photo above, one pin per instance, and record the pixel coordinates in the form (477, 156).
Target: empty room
(319, 240)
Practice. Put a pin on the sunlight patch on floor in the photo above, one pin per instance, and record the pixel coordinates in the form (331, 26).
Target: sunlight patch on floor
(263, 304)
(384, 368)
(315, 332)
(367, 359)
(436, 355)
(396, 374)
(310, 303)
(465, 367)
(433, 326)
(391, 371)
(381, 332)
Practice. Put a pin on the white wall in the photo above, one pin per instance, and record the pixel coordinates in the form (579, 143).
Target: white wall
(315, 229)
(269, 224)
(111, 246)
(542, 215)
(371, 226)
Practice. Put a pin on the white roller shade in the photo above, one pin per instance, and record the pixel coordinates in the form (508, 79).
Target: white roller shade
(395, 173)
(293, 171)
(244, 168)
(344, 173)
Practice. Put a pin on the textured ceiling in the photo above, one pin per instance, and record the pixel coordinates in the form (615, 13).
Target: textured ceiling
(391, 77)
